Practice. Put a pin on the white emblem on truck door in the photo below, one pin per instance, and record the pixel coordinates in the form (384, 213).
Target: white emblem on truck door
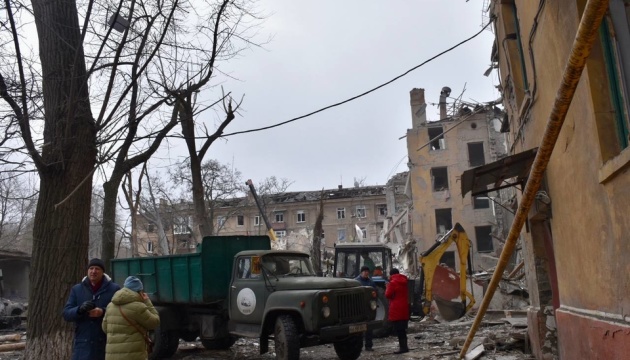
(246, 301)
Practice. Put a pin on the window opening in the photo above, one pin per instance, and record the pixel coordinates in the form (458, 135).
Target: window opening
(443, 220)
(475, 154)
(436, 136)
(483, 238)
(439, 177)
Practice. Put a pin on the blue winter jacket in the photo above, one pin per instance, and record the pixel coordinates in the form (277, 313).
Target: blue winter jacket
(365, 282)
(89, 338)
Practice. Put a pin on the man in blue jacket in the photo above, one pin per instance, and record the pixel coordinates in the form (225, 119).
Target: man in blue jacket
(86, 307)
(365, 280)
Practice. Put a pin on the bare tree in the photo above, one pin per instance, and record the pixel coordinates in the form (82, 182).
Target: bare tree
(126, 78)
(220, 183)
(151, 210)
(17, 209)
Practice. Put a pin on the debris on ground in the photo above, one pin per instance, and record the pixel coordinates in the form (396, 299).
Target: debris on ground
(502, 335)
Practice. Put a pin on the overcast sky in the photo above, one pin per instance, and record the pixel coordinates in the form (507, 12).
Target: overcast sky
(326, 51)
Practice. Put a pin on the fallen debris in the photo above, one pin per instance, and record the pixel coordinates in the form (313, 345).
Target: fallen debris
(12, 347)
(475, 353)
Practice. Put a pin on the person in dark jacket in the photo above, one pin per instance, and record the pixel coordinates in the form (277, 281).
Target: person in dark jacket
(365, 280)
(86, 307)
(398, 294)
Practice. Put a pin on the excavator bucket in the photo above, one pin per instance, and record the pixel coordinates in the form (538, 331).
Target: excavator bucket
(449, 310)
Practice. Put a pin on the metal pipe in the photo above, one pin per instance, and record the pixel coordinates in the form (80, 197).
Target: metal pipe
(582, 45)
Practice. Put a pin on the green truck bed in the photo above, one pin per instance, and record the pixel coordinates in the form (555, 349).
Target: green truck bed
(199, 278)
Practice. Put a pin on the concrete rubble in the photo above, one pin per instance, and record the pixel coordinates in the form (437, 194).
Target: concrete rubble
(501, 336)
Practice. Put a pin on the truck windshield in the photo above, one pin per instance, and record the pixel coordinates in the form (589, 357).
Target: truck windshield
(287, 265)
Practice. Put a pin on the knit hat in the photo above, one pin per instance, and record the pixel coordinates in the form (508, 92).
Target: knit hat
(96, 262)
(364, 268)
(395, 271)
(133, 283)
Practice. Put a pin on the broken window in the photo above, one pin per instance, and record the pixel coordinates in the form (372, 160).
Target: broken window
(341, 213)
(481, 202)
(439, 176)
(363, 233)
(443, 221)
(484, 238)
(436, 136)
(382, 210)
(279, 217)
(220, 221)
(448, 258)
(240, 220)
(341, 235)
(360, 211)
(475, 154)
(301, 216)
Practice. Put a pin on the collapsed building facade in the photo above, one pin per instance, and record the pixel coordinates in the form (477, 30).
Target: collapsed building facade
(575, 240)
(439, 152)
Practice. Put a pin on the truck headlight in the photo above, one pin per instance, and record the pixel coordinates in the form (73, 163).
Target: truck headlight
(373, 305)
(325, 311)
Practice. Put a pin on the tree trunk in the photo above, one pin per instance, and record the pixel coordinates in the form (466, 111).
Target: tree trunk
(318, 230)
(61, 226)
(108, 249)
(201, 226)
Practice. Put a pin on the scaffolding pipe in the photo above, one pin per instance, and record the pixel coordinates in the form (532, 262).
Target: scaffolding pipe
(582, 45)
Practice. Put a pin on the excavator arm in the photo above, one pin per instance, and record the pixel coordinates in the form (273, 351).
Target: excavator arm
(430, 261)
(270, 231)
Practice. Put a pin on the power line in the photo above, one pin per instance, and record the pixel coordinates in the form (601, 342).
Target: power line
(362, 94)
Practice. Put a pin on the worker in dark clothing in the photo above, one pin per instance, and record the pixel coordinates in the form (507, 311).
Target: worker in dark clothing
(86, 308)
(398, 295)
(365, 280)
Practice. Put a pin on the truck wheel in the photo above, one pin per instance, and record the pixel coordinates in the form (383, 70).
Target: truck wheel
(165, 343)
(286, 338)
(218, 344)
(350, 348)
(382, 311)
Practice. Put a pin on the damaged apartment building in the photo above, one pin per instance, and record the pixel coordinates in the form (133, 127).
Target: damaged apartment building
(355, 214)
(439, 152)
(564, 68)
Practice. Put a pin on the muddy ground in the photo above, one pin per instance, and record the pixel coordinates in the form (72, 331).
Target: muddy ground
(504, 338)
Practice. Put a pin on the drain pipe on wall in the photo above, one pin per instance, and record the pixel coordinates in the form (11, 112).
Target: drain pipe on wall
(586, 34)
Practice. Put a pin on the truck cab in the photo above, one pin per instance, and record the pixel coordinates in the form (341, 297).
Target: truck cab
(278, 293)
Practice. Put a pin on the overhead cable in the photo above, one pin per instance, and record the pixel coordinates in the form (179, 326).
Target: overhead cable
(364, 93)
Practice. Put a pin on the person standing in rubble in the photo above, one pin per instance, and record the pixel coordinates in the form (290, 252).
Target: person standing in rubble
(398, 295)
(365, 280)
(86, 307)
(129, 316)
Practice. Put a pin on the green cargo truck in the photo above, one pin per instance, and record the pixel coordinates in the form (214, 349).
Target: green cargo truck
(237, 286)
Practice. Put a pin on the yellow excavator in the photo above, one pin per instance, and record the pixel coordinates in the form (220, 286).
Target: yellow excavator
(431, 270)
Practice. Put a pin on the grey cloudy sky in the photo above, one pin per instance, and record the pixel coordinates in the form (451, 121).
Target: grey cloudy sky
(326, 51)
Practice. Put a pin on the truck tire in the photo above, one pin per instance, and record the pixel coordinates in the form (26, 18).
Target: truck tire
(165, 343)
(286, 338)
(382, 311)
(350, 348)
(218, 344)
